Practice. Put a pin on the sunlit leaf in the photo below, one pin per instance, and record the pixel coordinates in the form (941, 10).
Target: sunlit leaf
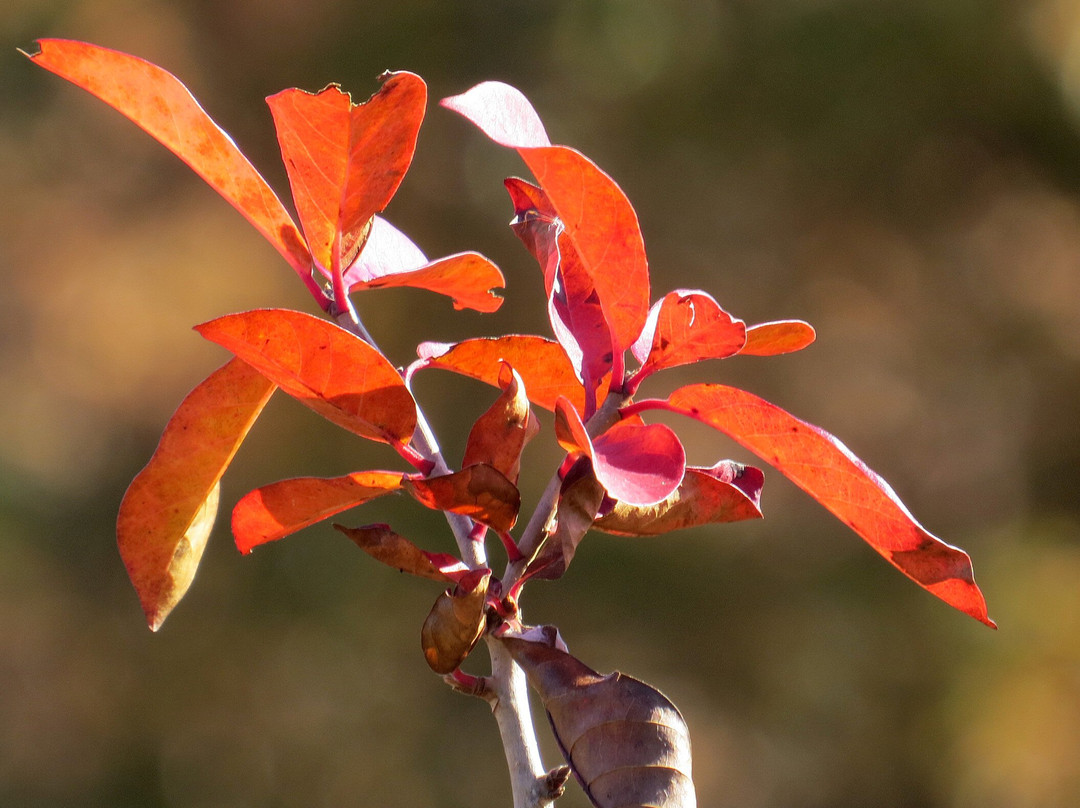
(780, 337)
(542, 364)
(827, 470)
(501, 432)
(480, 492)
(598, 218)
(393, 549)
(687, 326)
(455, 623)
(279, 509)
(641, 464)
(333, 372)
(169, 508)
(159, 103)
(727, 492)
(346, 160)
(466, 278)
(626, 743)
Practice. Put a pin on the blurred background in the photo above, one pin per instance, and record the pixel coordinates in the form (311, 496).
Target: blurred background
(904, 174)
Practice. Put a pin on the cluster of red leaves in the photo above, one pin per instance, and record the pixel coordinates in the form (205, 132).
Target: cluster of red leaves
(621, 474)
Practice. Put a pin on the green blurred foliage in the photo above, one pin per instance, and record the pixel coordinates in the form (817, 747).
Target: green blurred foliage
(901, 174)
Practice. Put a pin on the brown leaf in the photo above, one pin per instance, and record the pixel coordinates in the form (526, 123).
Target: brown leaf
(579, 501)
(499, 435)
(728, 492)
(625, 741)
(480, 492)
(455, 622)
(392, 549)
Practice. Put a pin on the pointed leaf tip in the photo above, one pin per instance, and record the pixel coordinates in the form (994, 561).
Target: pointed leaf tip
(168, 510)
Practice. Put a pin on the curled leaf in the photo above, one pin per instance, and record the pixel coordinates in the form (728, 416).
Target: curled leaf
(279, 509)
(167, 513)
(727, 492)
(322, 365)
(579, 500)
(501, 432)
(638, 463)
(456, 622)
(626, 743)
(392, 549)
(480, 492)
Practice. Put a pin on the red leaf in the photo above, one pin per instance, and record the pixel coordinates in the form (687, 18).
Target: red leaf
(640, 464)
(542, 364)
(687, 326)
(274, 511)
(157, 101)
(480, 492)
(827, 470)
(392, 549)
(599, 220)
(333, 372)
(574, 309)
(167, 513)
(781, 337)
(727, 492)
(345, 160)
(499, 435)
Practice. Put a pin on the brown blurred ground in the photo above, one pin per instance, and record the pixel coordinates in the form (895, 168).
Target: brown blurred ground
(905, 174)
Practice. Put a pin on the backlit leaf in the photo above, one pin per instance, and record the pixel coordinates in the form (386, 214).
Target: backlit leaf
(169, 508)
(687, 326)
(333, 372)
(541, 363)
(161, 105)
(626, 743)
(501, 432)
(637, 463)
(480, 492)
(598, 218)
(466, 278)
(393, 549)
(727, 492)
(455, 623)
(781, 337)
(346, 160)
(276, 510)
(827, 470)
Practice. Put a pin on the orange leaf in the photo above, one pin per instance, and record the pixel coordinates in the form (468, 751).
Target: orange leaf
(687, 326)
(466, 278)
(455, 623)
(168, 510)
(274, 511)
(827, 470)
(781, 337)
(542, 364)
(499, 435)
(392, 549)
(333, 372)
(157, 101)
(480, 492)
(345, 160)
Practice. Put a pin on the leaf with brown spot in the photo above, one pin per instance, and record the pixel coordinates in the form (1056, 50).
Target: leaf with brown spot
(167, 513)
